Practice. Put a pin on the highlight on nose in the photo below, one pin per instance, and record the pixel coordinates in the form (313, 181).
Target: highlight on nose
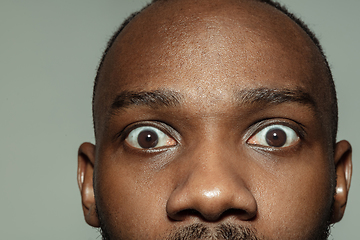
(213, 193)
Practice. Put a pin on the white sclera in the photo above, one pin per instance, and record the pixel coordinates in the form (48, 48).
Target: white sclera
(163, 139)
(260, 137)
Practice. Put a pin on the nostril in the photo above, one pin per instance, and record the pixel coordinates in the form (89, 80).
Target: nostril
(183, 214)
(192, 213)
(232, 212)
(238, 213)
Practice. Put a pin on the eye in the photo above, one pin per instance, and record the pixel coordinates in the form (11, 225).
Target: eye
(275, 136)
(147, 137)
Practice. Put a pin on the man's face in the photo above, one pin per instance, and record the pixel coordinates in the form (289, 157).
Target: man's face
(209, 119)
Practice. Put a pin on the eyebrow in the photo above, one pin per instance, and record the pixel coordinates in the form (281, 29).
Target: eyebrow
(168, 98)
(153, 99)
(274, 96)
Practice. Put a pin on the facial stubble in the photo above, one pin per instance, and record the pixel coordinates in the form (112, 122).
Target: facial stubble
(224, 231)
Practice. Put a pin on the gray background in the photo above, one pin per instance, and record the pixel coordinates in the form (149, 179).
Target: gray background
(49, 51)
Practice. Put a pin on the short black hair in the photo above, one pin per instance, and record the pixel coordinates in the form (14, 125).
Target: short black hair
(281, 8)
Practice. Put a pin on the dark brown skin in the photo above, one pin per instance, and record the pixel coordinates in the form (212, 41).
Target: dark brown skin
(213, 166)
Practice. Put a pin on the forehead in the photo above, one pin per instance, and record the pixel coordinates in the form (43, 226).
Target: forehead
(206, 49)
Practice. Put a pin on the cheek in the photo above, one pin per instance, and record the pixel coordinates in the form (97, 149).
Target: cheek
(131, 204)
(298, 200)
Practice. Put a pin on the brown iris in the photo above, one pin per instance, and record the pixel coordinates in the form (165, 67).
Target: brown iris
(148, 139)
(276, 137)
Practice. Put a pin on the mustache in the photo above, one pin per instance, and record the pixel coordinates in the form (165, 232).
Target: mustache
(225, 231)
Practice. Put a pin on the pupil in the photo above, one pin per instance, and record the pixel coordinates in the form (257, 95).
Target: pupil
(148, 139)
(276, 138)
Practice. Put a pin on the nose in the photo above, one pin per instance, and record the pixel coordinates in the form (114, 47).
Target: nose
(211, 188)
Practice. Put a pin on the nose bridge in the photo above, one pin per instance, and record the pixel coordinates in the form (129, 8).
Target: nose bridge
(212, 184)
(214, 173)
(211, 168)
